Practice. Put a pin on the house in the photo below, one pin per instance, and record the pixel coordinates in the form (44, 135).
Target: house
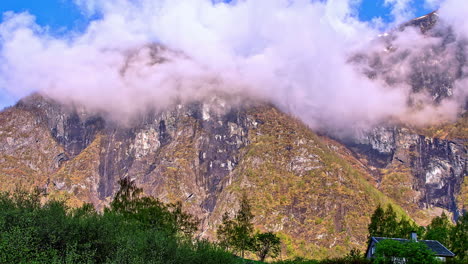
(440, 251)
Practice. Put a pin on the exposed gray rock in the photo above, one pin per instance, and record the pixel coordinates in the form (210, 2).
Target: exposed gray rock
(439, 166)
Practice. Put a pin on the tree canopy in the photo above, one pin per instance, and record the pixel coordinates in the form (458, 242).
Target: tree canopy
(385, 223)
(135, 229)
(237, 234)
(391, 251)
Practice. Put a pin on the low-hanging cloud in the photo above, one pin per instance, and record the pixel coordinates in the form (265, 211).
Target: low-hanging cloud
(293, 53)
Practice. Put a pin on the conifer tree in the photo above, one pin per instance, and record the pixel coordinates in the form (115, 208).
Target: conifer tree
(237, 233)
(385, 223)
(439, 229)
(375, 227)
(459, 238)
(390, 222)
(405, 227)
(225, 232)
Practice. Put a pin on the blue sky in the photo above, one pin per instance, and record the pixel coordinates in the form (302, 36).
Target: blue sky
(370, 9)
(58, 14)
(61, 16)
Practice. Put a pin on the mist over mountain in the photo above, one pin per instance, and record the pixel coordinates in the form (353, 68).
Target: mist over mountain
(317, 116)
(297, 55)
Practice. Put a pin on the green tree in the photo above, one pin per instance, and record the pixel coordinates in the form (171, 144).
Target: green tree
(124, 199)
(355, 256)
(405, 227)
(151, 212)
(244, 228)
(236, 234)
(225, 232)
(266, 244)
(459, 238)
(384, 222)
(390, 222)
(375, 228)
(184, 223)
(50, 232)
(439, 229)
(391, 251)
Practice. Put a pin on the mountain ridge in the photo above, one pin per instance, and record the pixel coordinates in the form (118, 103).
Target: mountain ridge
(309, 188)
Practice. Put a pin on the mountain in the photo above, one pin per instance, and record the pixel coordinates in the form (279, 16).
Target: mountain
(317, 191)
(431, 160)
(314, 191)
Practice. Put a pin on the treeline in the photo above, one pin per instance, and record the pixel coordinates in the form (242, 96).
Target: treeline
(141, 229)
(134, 229)
(385, 223)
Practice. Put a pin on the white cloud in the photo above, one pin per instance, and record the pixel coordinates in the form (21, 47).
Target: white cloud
(293, 53)
(401, 10)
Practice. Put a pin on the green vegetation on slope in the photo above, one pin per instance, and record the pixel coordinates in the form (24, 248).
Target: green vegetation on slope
(456, 130)
(301, 189)
(237, 234)
(309, 190)
(27, 155)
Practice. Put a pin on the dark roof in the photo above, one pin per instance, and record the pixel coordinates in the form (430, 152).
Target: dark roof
(433, 245)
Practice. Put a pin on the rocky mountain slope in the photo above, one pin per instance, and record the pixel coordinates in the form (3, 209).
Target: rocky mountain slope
(317, 192)
(432, 161)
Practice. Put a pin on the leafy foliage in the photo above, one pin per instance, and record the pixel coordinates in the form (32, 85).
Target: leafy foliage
(392, 252)
(384, 223)
(439, 230)
(134, 229)
(151, 212)
(459, 238)
(266, 244)
(353, 257)
(127, 197)
(236, 234)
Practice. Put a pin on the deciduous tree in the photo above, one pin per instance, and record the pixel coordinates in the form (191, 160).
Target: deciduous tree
(392, 251)
(266, 244)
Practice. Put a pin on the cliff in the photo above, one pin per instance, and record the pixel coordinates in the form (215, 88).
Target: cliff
(311, 189)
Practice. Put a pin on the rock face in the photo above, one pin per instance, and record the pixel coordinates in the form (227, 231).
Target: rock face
(310, 189)
(200, 141)
(204, 154)
(437, 166)
(436, 161)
